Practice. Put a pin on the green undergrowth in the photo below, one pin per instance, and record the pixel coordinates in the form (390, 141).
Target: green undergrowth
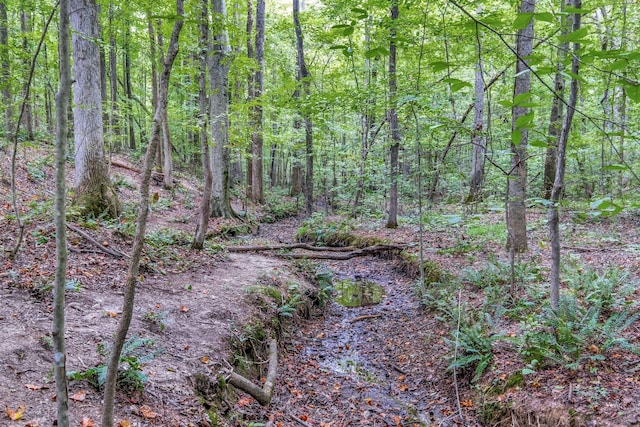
(483, 313)
(340, 233)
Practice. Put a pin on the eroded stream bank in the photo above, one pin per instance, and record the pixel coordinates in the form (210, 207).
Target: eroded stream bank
(373, 365)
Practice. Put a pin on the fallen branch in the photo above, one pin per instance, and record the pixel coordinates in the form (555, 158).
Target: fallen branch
(298, 420)
(262, 395)
(106, 250)
(124, 165)
(365, 317)
(345, 256)
(259, 248)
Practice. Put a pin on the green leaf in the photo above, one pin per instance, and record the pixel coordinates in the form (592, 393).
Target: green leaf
(439, 66)
(518, 100)
(527, 371)
(516, 137)
(524, 121)
(617, 65)
(522, 20)
(348, 31)
(575, 36)
(338, 26)
(539, 143)
(615, 167)
(545, 16)
(358, 10)
(632, 90)
(337, 46)
(506, 103)
(457, 84)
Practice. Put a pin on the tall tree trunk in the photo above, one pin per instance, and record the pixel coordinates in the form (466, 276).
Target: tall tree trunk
(154, 77)
(94, 192)
(257, 184)
(127, 88)
(62, 105)
(203, 220)
(5, 70)
(27, 115)
(302, 76)
(250, 98)
(558, 185)
(555, 119)
(219, 114)
(141, 223)
(113, 84)
(517, 178)
(477, 134)
(392, 114)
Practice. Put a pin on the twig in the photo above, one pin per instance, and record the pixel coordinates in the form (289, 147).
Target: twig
(364, 317)
(112, 252)
(298, 420)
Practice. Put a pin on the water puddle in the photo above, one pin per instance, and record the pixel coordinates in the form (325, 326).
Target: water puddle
(358, 293)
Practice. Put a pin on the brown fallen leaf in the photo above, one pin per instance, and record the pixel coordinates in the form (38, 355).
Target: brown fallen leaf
(15, 415)
(112, 314)
(34, 386)
(204, 359)
(32, 424)
(87, 422)
(184, 308)
(146, 412)
(124, 423)
(79, 396)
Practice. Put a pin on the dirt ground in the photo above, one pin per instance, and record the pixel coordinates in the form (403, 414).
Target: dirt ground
(336, 370)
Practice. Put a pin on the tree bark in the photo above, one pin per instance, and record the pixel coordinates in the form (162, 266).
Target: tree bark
(250, 98)
(27, 114)
(5, 70)
(477, 134)
(302, 76)
(558, 185)
(127, 89)
(517, 177)
(392, 220)
(219, 114)
(257, 139)
(114, 131)
(141, 223)
(94, 192)
(62, 106)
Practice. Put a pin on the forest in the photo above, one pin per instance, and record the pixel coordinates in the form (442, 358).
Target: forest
(319, 213)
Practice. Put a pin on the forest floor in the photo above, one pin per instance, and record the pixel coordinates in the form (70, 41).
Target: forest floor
(197, 312)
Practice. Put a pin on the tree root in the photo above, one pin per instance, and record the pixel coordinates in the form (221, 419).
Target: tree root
(262, 395)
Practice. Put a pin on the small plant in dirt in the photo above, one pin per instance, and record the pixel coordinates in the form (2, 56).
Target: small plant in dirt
(157, 318)
(472, 343)
(498, 273)
(321, 277)
(167, 237)
(317, 230)
(278, 206)
(136, 352)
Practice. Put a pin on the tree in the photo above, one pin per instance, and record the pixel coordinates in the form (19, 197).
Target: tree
(257, 137)
(219, 113)
(477, 133)
(303, 76)
(558, 184)
(392, 116)
(94, 192)
(141, 223)
(521, 119)
(5, 69)
(62, 107)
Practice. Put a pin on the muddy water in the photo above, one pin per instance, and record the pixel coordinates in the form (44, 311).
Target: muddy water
(369, 365)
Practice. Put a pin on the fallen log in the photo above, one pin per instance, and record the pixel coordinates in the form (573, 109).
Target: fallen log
(124, 165)
(261, 394)
(289, 246)
(369, 250)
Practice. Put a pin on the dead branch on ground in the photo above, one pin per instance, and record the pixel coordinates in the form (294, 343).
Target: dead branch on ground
(345, 252)
(113, 252)
(261, 394)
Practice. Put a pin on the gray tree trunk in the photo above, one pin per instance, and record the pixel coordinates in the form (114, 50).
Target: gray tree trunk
(302, 76)
(141, 224)
(5, 71)
(558, 185)
(62, 107)
(27, 114)
(477, 134)
(250, 98)
(114, 131)
(257, 184)
(517, 178)
(392, 114)
(219, 114)
(94, 192)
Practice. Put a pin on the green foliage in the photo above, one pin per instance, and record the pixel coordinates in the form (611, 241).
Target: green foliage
(136, 352)
(158, 318)
(278, 206)
(166, 237)
(498, 273)
(317, 230)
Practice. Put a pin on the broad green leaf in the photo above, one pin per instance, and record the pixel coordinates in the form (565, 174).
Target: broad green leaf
(337, 46)
(574, 11)
(524, 121)
(516, 137)
(545, 16)
(632, 90)
(618, 65)
(575, 36)
(358, 10)
(457, 84)
(614, 167)
(506, 103)
(522, 20)
(439, 66)
(527, 371)
(348, 31)
(338, 26)
(539, 143)
(518, 100)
